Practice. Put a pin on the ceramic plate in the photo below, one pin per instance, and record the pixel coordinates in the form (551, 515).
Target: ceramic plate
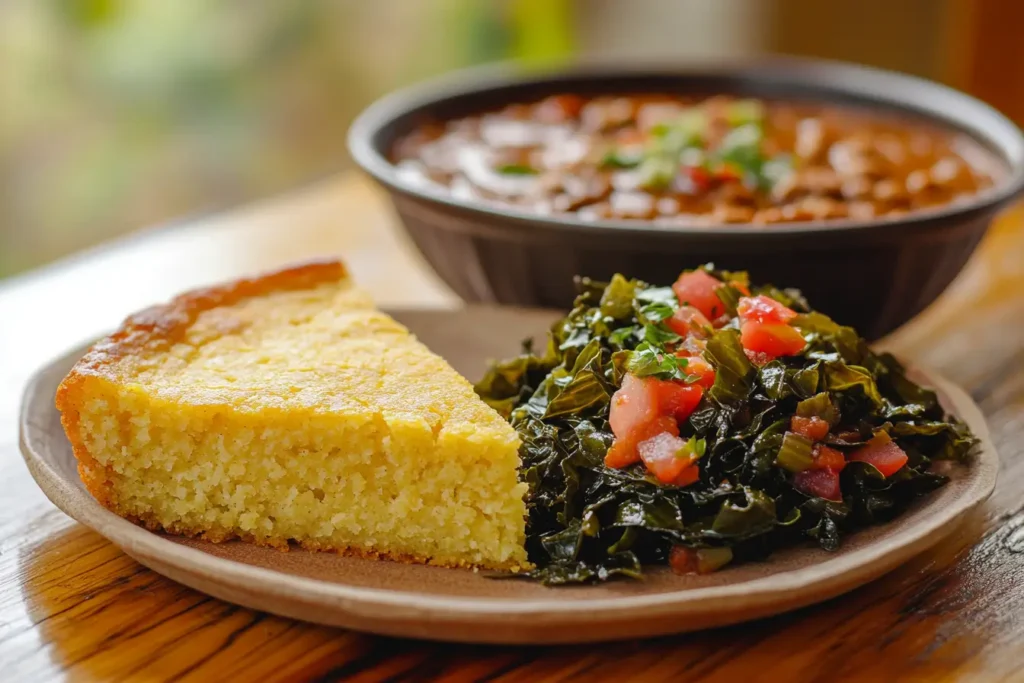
(460, 605)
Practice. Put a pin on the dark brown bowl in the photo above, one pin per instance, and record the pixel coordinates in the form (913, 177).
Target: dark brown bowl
(874, 275)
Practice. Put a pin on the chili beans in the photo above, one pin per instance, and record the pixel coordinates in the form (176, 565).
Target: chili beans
(718, 160)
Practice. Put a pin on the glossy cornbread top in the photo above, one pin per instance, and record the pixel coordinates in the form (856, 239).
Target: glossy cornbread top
(304, 338)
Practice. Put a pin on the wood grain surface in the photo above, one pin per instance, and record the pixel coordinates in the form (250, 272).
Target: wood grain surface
(74, 607)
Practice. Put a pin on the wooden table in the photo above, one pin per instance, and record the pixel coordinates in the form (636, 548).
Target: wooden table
(73, 606)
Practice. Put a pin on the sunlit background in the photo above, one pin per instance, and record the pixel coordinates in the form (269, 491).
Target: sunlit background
(121, 114)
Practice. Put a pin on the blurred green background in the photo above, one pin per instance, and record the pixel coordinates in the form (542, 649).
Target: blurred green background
(119, 114)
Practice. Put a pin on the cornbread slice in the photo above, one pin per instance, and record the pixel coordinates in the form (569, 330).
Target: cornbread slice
(285, 408)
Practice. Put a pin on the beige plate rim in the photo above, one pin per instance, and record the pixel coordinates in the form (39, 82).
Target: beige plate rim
(761, 596)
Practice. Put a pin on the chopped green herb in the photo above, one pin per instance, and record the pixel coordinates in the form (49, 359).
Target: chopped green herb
(517, 169)
(742, 147)
(742, 112)
(657, 172)
(692, 125)
(655, 313)
(693, 157)
(695, 447)
(622, 158)
(658, 295)
(648, 361)
(775, 169)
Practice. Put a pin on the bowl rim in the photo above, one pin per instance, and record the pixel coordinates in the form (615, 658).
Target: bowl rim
(868, 86)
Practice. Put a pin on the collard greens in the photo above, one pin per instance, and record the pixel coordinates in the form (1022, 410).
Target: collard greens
(588, 522)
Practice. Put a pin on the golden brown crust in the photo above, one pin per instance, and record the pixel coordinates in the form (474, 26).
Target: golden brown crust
(160, 326)
(165, 324)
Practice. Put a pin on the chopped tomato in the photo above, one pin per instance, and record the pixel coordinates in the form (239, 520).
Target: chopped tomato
(633, 405)
(773, 339)
(823, 483)
(641, 400)
(643, 408)
(621, 454)
(689, 321)
(683, 560)
(697, 288)
(828, 457)
(703, 561)
(691, 346)
(624, 450)
(667, 457)
(702, 369)
(677, 399)
(881, 452)
(688, 476)
(699, 176)
(814, 428)
(763, 309)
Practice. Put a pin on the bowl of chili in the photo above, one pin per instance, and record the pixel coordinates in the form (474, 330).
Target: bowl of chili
(867, 189)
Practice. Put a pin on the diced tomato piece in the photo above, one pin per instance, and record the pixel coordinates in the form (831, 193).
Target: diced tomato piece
(683, 560)
(678, 399)
(691, 346)
(663, 424)
(697, 288)
(641, 400)
(621, 454)
(702, 369)
(699, 176)
(624, 450)
(689, 321)
(823, 483)
(773, 339)
(688, 476)
(881, 452)
(702, 561)
(828, 457)
(666, 457)
(633, 405)
(763, 309)
(646, 407)
(814, 428)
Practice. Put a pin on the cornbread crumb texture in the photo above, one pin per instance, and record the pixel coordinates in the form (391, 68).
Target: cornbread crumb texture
(297, 414)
